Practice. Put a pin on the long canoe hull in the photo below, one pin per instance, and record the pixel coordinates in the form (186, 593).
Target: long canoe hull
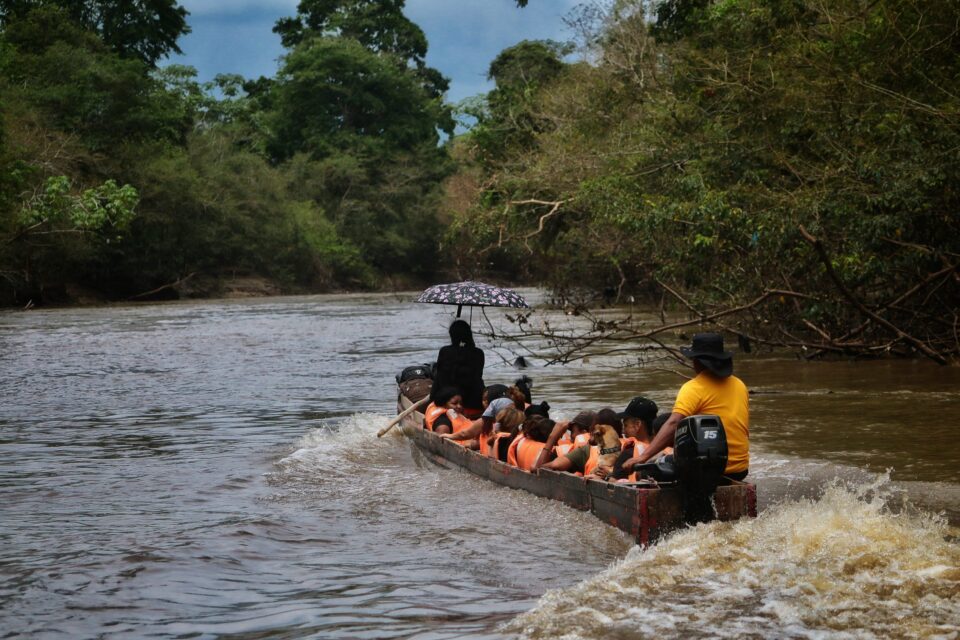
(646, 514)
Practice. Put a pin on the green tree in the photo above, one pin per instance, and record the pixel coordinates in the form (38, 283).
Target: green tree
(144, 29)
(83, 87)
(335, 94)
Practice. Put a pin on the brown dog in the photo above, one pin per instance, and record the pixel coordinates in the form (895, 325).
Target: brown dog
(605, 437)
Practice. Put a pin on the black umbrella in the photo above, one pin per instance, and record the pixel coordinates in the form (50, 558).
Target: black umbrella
(472, 294)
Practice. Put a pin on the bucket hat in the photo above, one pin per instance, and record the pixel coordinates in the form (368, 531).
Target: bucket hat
(708, 349)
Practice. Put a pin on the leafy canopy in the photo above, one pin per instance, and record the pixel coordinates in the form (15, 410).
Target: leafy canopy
(144, 29)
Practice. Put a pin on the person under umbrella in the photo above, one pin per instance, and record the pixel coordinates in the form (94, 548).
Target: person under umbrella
(460, 365)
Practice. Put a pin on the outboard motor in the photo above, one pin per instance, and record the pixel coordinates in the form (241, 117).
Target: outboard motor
(700, 457)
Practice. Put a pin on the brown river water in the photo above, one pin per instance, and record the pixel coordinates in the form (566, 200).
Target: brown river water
(210, 470)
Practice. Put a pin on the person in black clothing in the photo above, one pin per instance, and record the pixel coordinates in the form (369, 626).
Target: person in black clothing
(460, 365)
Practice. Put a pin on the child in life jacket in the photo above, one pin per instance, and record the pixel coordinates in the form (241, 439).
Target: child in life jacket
(495, 399)
(504, 432)
(525, 450)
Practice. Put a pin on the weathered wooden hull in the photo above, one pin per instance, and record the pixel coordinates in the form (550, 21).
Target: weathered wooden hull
(645, 513)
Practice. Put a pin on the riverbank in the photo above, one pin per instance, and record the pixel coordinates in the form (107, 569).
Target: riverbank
(199, 287)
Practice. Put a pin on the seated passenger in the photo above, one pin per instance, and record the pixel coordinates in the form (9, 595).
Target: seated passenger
(525, 450)
(495, 398)
(505, 430)
(444, 415)
(557, 444)
(579, 433)
(524, 384)
(542, 409)
(638, 420)
(581, 461)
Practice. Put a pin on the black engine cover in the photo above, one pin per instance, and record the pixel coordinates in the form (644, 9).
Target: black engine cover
(700, 456)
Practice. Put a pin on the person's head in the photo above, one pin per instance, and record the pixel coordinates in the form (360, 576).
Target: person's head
(460, 334)
(658, 422)
(609, 416)
(538, 428)
(509, 420)
(582, 422)
(708, 355)
(638, 418)
(524, 383)
(542, 409)
(493, 392)
(449, 397)
(517, 396)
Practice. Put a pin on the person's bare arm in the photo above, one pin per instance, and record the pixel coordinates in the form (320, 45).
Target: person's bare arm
(466, 434)
(563, 463)
(558, 430)
(661, 441)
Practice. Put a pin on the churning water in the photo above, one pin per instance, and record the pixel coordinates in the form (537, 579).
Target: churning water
(210, 470)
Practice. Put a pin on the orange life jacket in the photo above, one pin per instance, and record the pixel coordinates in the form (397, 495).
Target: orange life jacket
(592, 461)
(459, 421)
(527, 453)
(431, 414)
(512, 451)
(484, 444)
(563, 448)
(494, 444)
(581, 440)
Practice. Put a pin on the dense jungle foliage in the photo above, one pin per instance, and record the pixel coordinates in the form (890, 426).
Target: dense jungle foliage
(789, 164)
(122, 178)
(793, 158)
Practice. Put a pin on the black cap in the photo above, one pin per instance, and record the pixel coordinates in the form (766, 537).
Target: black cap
(640, 407)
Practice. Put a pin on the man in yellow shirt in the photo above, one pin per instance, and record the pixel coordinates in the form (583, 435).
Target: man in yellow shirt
(714, 390)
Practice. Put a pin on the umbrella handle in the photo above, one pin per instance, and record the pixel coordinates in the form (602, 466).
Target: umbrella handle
(459, 309)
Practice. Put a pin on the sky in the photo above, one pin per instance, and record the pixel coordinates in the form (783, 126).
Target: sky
(234, 36)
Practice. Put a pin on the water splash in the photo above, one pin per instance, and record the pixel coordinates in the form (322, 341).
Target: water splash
(841, 566)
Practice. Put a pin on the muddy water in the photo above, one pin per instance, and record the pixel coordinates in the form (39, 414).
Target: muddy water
(209, 470)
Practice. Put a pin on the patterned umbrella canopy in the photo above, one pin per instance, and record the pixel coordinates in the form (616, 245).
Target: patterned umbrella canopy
(473, 294)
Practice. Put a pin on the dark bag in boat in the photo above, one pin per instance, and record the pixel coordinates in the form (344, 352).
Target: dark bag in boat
(416, 389)
(416, 372)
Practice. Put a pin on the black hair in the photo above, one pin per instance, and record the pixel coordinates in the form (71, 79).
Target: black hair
(524, 383)
(658, 422)
(443, 396)
(538, 428)
(542, 409)
(495, 391)
(461, 335)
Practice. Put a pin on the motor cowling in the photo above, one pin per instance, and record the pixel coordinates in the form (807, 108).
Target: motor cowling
(700, 458)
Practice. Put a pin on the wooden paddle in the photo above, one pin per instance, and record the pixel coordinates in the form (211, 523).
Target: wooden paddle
(403, 414)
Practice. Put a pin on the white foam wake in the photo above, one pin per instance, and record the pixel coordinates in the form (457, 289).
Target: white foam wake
(841, 566)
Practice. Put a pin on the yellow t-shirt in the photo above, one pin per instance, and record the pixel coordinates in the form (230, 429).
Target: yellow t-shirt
(727, 398)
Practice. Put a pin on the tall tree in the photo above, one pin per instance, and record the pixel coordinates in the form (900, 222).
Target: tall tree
(378, 25)
(144, 29)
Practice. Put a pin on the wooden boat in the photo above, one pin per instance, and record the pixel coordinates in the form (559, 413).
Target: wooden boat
(646, 512)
